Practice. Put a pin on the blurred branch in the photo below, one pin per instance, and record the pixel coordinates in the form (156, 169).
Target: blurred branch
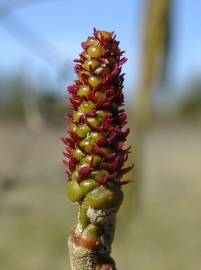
(156, 42)
(38, 45)
(31, 40)
(8, 8)
(155, 52)
(28, 37)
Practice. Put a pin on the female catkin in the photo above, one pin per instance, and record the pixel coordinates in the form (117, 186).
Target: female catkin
(95, 150)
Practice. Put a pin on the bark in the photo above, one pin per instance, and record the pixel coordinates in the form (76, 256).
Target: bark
(83, 258)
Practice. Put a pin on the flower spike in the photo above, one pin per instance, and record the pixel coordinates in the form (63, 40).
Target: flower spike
(95, 150)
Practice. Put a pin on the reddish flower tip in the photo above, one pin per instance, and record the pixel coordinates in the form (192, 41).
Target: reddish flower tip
(96, 125)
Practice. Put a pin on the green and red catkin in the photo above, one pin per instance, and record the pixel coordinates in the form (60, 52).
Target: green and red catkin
(95, 145)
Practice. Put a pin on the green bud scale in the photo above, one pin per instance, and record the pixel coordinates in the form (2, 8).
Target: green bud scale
(95, 148)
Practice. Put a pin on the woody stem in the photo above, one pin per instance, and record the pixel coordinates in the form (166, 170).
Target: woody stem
(84, 258)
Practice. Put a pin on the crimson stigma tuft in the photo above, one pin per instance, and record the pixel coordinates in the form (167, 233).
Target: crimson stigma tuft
(95, 141)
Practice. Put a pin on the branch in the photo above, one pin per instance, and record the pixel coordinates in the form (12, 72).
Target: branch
(84, 258)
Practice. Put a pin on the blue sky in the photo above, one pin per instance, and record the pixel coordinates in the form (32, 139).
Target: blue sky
(63, 24)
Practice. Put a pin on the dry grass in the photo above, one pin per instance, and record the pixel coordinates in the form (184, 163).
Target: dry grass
(35, 217)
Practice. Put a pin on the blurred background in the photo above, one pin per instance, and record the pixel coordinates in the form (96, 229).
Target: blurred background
(159, 224)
